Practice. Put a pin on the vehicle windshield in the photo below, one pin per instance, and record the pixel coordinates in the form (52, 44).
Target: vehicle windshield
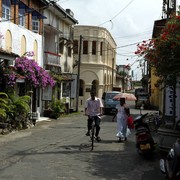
(110, 96)
(143, 98)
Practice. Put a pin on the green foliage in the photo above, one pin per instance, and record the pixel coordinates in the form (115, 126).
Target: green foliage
(122, 73)
(19, 109)
(3, 105)
(58, 107)
(14, 108)
(20, 105)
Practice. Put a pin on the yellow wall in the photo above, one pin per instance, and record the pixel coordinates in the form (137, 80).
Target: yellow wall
(156, 97)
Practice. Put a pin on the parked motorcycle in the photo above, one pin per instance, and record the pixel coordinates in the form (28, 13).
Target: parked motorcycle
(144, 141)
(170, 165)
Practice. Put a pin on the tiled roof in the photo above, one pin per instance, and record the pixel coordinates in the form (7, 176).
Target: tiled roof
(2, 51)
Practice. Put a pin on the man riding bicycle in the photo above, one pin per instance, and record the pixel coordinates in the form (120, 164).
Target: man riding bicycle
(93, 107)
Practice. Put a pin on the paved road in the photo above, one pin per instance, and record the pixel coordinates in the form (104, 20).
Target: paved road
(59, 149)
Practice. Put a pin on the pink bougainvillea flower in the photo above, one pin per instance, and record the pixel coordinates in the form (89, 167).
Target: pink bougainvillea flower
(36, 75)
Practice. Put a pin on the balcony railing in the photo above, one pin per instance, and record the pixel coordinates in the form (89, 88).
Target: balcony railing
(52, 61)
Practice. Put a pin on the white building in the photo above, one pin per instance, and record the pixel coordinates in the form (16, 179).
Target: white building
(58, 50)
(46, 29)
(97, 62)
(21, 28)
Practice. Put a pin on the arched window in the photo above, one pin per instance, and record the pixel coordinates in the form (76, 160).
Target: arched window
(23, 45)
(36, 50)
(8, 40)
(81, 88)
(94, 86)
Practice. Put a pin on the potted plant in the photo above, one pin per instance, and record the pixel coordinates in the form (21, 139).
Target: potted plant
(163, 55)
(58, 107)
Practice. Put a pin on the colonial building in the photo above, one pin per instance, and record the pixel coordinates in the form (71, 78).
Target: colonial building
(46, 29)
(97, 60)
(58, 51)
(123, 79)
(21, 29)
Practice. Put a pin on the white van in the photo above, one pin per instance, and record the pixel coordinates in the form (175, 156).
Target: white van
(108, 101)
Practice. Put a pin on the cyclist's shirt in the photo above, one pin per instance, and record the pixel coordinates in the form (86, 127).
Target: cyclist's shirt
(93, 106)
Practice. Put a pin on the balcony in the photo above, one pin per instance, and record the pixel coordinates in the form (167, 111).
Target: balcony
(52, 62)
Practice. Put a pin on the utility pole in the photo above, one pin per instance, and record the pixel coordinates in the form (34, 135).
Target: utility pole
(123, 83)
(112, 72)
(78, 73)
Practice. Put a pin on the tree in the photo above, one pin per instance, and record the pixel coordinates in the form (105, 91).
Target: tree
(163, 53)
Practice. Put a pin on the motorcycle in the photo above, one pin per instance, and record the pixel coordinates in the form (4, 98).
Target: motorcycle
(144, 141)
(170, 166)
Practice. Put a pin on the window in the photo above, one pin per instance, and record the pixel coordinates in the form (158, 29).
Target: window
(75, 47)
(85, 47)
(81, 88)
(35, 24)
(22, 17)
(6, 9)
(69, 51)
(61, 47)
(23, 45)
(94, 48)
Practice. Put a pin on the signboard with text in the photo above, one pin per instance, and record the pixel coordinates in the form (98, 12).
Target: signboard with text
(169, 102)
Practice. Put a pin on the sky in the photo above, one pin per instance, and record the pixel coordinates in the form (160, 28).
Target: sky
(129, 22)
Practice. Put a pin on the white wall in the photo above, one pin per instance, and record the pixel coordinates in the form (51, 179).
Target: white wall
(17, 33)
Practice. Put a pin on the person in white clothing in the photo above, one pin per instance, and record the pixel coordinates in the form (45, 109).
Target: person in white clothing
(93, 107)
(122, 114)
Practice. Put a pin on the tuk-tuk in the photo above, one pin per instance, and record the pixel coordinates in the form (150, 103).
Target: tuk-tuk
(142, 101)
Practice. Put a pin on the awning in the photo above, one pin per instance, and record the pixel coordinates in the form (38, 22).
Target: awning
(14, 1)
(6, 3)
(67, 77)
(28, 9)
(25, 7)
(38, 15)
(50, 29)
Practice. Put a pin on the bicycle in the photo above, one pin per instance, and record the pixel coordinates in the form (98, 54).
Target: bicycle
(153, 120)
(92, 134)
(93, 131)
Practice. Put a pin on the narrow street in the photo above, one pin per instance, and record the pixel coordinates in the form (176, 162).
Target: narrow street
(59, 149)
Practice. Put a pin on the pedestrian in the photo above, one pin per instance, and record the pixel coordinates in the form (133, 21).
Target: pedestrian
(122, 112)
(93, 107)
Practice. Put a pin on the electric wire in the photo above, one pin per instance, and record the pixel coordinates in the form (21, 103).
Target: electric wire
(104, 23)
(117, 13)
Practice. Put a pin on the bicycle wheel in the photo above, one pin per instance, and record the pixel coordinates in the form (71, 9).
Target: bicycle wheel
(92, 137)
